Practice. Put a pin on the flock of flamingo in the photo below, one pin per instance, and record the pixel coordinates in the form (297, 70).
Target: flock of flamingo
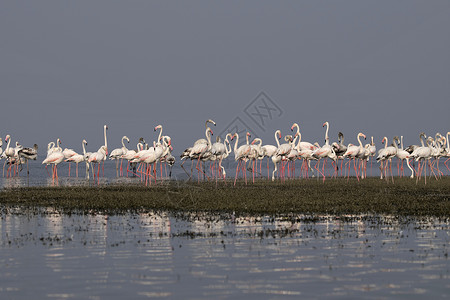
(142, 160)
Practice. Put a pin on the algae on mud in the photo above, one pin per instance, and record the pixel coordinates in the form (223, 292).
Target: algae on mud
(336, 196)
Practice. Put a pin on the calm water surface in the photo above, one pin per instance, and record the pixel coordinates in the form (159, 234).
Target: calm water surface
(39, 176)
(159, 255)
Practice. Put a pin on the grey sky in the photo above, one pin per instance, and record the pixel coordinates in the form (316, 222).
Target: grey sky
(68, 67)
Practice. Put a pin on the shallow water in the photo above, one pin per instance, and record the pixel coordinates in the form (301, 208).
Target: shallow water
(158, 255)
(39, 176)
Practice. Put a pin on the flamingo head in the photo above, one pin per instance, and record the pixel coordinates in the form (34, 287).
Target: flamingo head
(383, 140)
(7, 137)
(249, 134)
(210, 121)
(233, 136)
(157, 127)
(325, 124)
(210, 130)
(279, 134)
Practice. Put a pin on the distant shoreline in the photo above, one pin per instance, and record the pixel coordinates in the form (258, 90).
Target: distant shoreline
(335, 197)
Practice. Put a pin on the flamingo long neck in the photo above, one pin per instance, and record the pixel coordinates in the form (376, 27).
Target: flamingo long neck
(104, 134)
(226, 141)
(360, 143)
(386, 142)
(401, 142)
(160, 134)
(237, 142)
(246, 137)
(373, 144)
(327, 140)
(292, 142)
(421, 140)
(299, 140)
(84, 149)
(7, 145)
(298, 129)
(276, 138)
(395, 144)
(123, 144)
(57, 144)
(208, 137)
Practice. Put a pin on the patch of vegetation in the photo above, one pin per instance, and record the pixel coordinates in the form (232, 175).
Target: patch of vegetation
(312, 196)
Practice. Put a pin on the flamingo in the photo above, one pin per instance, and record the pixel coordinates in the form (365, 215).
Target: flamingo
(339, 148)
(402, 155)
(301, 144)
(8, 153)
(199, 150)
(241, 155)
(280, 155)
(324, 151)
(187, 152)
(118, 153)
(68, 153)
(77, 158)
(28, 153)
(352, 152)
(447, 150)
(204, 141)
(97, 158)
(386, 154)
(153, 156)
(170, 159)
(422, 154)
(269, 151)
(218, 150)
(54, 158)
(293, 154)
(129, 156)
(256, 153)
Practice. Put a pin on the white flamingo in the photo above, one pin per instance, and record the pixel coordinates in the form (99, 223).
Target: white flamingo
(324, 152)
(78, 158)
(200, 150)
(28, 153)
(385, 155)
(422, 154)
(402, 155)
(118, 153)
(54, 158)
(280, 155)
(301, 144)
(352, 153)
(241, 155)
